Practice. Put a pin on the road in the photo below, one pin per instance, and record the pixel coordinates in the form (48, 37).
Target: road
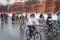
(13, 32)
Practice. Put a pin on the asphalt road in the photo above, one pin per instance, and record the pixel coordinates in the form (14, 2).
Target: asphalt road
(13, 32)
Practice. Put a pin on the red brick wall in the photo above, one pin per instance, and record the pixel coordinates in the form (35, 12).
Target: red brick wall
(42, 8)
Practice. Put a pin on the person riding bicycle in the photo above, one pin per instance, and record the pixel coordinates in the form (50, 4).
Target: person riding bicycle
(6, 17)
(13, 16)
(17, 18)
(2, 17)
(49, 21)
(31, 22)
(41, 19)
(21, 21)
(58, 20)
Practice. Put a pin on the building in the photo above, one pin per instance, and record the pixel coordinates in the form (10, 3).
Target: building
(47, 6)
(36, 6)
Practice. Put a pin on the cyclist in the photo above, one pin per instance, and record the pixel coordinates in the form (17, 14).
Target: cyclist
(31, 22)
(21, 21)
(17, 18)
(2, 17)
(49, 21)
(6, 17)
(41, 18)
(41, 21)
(58, 20)
(13, 16)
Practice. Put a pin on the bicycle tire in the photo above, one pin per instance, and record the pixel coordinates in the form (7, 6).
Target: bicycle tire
(27, 34)
(55, 35)
(46, 30)
(38, 34)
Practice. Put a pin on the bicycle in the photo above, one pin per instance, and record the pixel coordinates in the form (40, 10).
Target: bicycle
(35, 34)
(2, 20)
(6, 20)
(17, 19)
(13, 19)
(53, 30)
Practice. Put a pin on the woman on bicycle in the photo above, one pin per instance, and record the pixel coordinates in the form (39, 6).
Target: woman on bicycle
(31, 22)
(49, 21)
(21, 21)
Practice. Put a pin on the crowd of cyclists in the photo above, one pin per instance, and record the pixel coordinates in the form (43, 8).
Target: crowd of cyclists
(4, 17)
(30, 21)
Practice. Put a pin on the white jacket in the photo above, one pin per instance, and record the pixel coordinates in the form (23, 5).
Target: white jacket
(40, 20)
(32, 21)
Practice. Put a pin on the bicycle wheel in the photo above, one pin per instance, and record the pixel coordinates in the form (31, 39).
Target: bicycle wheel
(46, 30)
(27, 34)
(54, 32)
(37, 36)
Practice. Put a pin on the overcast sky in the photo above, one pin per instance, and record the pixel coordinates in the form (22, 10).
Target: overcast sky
(4, 2)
